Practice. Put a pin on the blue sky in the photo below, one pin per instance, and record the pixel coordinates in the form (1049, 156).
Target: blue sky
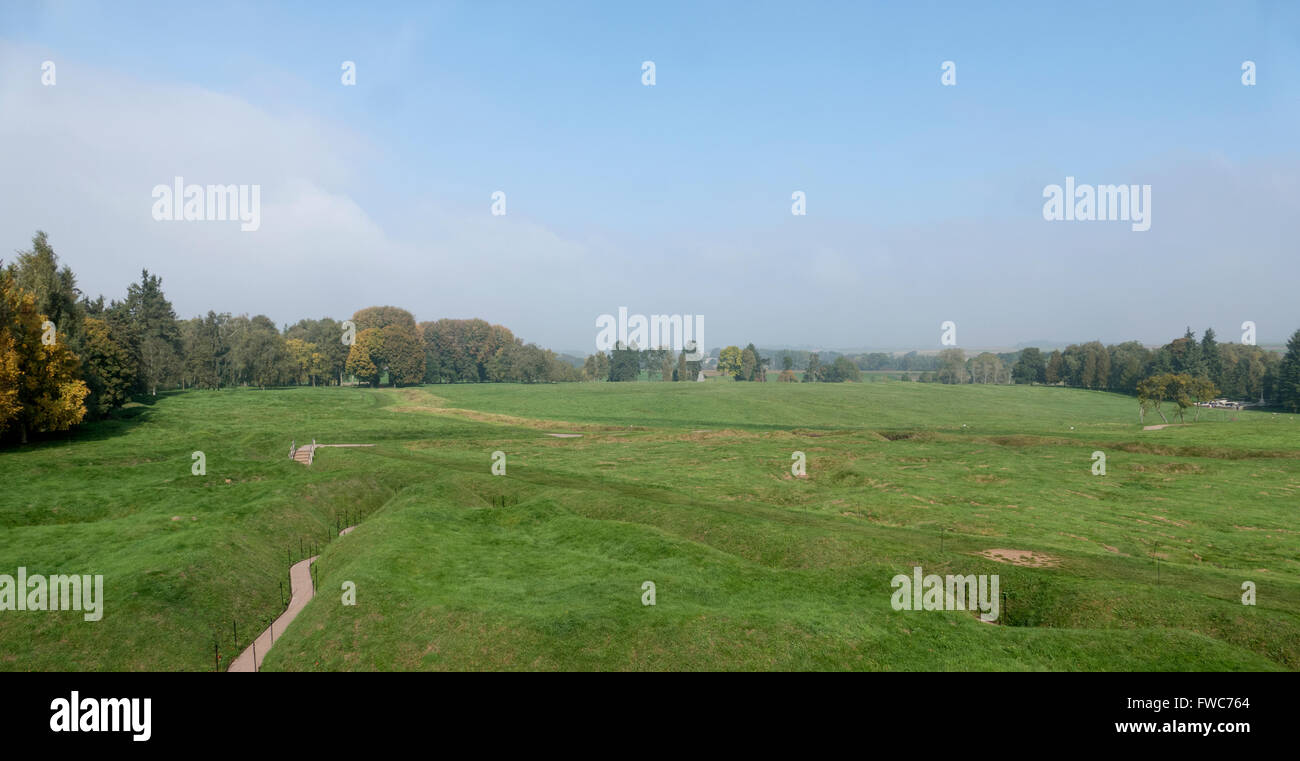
(924, 201)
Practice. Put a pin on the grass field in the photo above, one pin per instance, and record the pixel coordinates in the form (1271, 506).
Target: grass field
(687, 485)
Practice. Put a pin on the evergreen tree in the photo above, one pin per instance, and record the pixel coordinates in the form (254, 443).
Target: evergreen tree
(1211, 359)
(1287, 385)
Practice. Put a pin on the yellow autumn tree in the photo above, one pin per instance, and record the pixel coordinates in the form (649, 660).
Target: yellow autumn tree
(361, 363)
(40, 387)
(9, 379)
(300, 355)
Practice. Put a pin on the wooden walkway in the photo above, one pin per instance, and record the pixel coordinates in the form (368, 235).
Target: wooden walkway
(306, 454)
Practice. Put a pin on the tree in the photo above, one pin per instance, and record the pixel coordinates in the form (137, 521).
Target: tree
(1055, 368)
(758, 372)
(107, 367)
(748, 365)
(596, 368)
(300, 354)
(360, 364)
(1185, 355)
(159, 361)
(152, 331)
(814, 369)
(841, 370)
(1151, 393)
(403, 353)
(624, 364)
(260, 354)
(382, 317)
(206, 350)
(1288, 375)
(668, 366)
(1030, 368)
(55, 290)
(326, 334)
(952, 366)
(396, 350)
(39, 387)
(1178, 388)
(1210, 357)
(986, 368)
(730, 360)
(1201, 390)
(1096, 366)
(1128, 363)
(1072, 365)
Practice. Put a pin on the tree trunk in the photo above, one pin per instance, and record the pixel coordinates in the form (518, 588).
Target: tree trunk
(23, 428)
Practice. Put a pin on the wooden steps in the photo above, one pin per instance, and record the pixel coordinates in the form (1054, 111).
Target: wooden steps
(307, 454)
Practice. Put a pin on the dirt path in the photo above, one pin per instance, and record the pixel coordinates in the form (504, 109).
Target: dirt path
(1158, 427)
(301, 590)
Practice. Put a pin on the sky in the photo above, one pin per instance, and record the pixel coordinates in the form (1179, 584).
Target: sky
(924, 202)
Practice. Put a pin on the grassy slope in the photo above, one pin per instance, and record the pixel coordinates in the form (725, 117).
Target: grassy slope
(753, 569)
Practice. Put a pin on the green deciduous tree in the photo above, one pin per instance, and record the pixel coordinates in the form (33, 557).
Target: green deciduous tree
(842, 370)
(1030, 367)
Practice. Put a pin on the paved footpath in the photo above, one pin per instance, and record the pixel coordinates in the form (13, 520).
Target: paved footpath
(300, 587)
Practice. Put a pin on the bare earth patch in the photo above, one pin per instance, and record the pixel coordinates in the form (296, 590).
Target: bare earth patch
(419, 400)
(1022, 557)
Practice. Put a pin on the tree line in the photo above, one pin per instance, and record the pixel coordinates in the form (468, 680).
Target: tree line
(627, 363)
(1237, 371)
(65, 358)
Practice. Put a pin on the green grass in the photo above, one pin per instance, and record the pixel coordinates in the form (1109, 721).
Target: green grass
(684, 484)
